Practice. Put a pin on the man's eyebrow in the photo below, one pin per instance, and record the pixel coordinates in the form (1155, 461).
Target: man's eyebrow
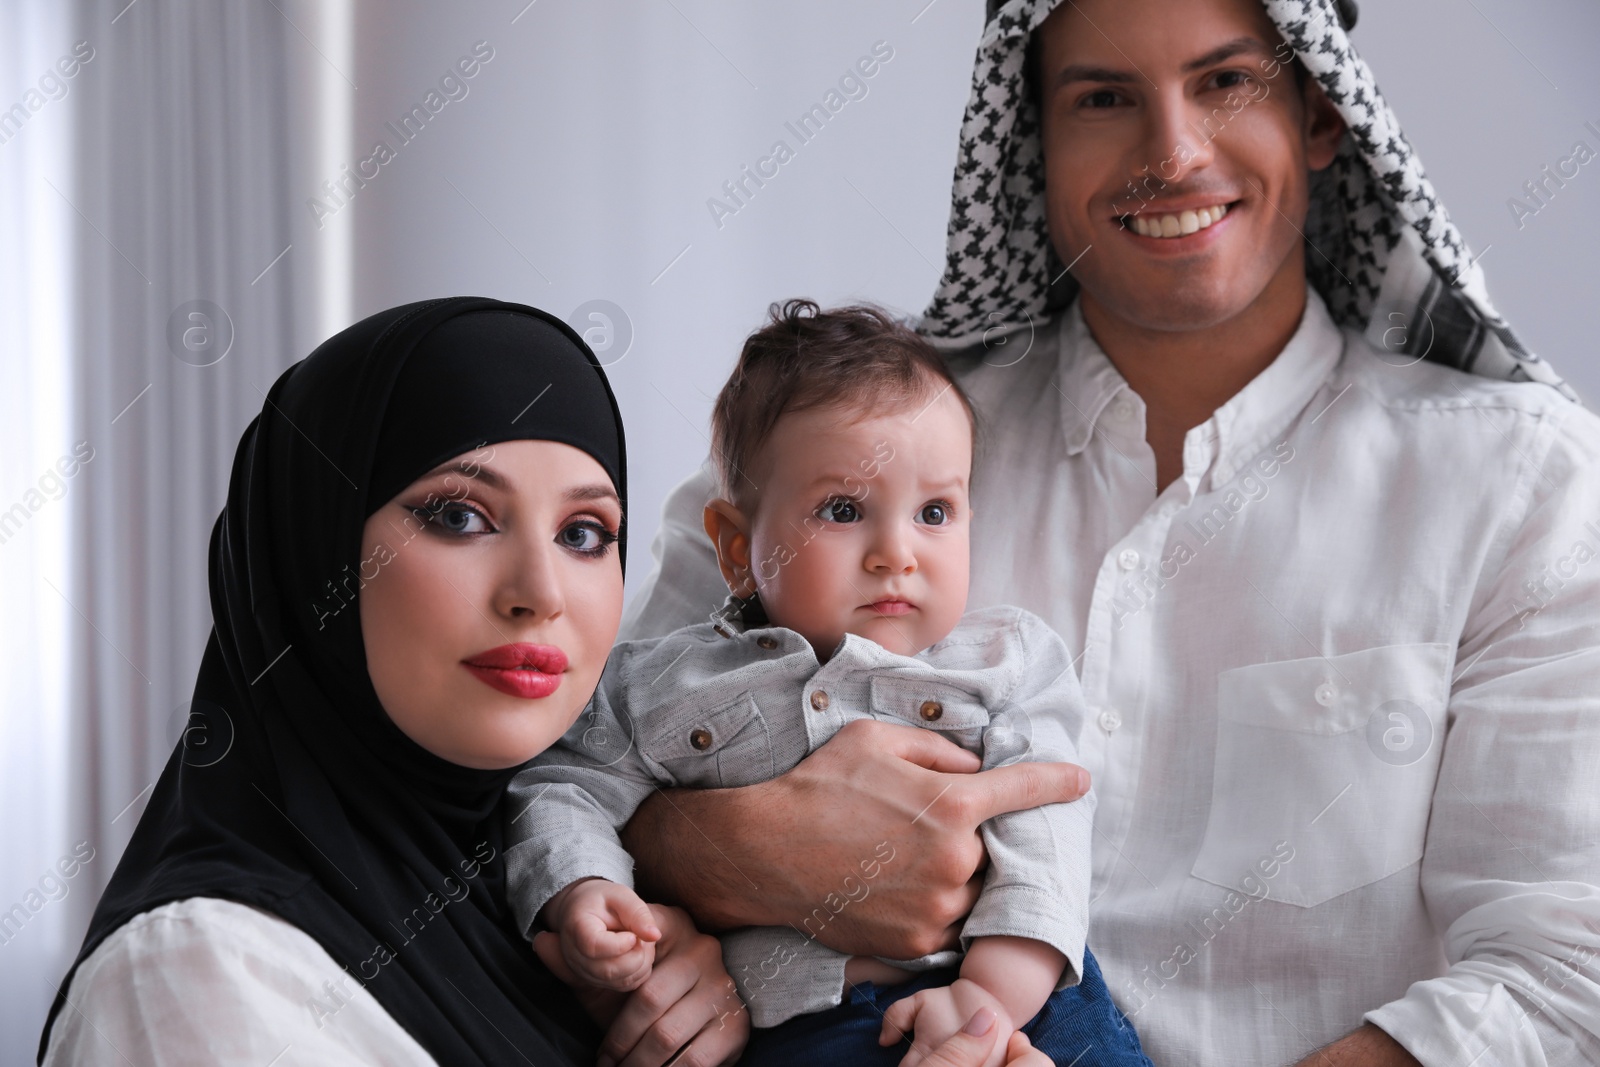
(1085, 72)
(1226, 51)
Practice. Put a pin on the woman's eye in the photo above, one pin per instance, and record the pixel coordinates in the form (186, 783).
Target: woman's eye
(1100, 98)
(460, 519)
(839, 510)
(933, 515)
(1230, 79)
(586, 537)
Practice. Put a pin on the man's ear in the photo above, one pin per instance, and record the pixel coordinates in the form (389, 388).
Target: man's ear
(1324, 126)
(729, 531)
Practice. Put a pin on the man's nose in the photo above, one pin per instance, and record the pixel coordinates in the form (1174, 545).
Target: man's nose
(1174, 144)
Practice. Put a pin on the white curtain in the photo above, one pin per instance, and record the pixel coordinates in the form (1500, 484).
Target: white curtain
(157, 277)
(37, 508)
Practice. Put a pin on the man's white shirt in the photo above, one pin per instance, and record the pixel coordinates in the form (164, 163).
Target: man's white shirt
(1344, 689)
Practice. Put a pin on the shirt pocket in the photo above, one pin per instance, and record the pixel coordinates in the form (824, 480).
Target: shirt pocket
(950, 710)
(724, 746)
(1332, 758)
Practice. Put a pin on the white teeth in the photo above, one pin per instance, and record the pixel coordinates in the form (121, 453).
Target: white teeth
(1179, 225)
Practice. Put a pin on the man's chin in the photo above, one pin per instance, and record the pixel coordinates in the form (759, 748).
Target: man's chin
(1177, 302)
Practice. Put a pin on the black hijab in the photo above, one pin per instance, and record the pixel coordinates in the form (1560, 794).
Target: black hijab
(292, 790)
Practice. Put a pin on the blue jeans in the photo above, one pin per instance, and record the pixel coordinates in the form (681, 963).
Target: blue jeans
(1078, 1025)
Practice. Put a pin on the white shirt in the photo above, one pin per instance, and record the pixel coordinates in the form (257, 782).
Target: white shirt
(205, 981)
(1343, 685)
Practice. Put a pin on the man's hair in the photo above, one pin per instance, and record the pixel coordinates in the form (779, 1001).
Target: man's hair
(857, 358)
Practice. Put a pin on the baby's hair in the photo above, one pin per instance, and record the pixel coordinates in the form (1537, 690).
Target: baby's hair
(858, 358)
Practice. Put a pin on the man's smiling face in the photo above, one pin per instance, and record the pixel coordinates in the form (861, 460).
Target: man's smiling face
(1178, 145)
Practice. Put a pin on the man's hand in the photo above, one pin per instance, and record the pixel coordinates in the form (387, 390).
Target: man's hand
(607, 933)
(1366, 1047)
(936, 1015)
(779, 853)
(687, 1007)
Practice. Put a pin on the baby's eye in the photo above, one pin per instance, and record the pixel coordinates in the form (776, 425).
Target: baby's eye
(458, 519)
(839, 509)
(934, 514)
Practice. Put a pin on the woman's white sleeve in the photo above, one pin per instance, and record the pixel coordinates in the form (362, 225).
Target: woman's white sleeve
(208, 981)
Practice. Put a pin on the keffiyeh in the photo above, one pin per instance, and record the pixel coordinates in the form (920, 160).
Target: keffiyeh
(1386, 258)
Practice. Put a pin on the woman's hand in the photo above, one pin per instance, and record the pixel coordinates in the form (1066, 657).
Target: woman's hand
(973, 1043)
(688, 1003)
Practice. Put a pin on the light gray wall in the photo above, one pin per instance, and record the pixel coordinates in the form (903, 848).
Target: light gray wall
(579, 165)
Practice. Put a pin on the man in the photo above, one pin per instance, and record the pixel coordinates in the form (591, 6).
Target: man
(1336, 605)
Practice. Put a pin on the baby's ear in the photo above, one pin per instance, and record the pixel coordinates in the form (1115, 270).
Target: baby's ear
(729, 531)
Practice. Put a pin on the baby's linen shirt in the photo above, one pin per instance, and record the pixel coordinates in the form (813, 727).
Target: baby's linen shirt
(700, 710)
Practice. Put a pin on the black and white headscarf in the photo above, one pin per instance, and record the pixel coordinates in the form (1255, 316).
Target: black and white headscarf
(1388, 261)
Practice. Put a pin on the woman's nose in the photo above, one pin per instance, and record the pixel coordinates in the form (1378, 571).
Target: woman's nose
(530, 588)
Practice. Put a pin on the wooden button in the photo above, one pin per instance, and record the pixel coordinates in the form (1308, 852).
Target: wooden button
(767, 642)
(700, 739)
(931, 709)
(819, 700)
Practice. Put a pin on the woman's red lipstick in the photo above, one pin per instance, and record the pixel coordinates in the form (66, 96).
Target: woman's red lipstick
(523, 670)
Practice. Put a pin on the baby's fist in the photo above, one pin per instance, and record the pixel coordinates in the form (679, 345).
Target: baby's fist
(608, 935)
(933, 1015)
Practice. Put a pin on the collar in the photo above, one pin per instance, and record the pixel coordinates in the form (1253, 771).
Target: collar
(1090, 385)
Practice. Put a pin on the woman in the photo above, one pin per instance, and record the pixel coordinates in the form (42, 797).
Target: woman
(432, 500)
(415, 582)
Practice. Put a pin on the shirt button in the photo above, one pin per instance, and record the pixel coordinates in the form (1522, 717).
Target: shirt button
(1122, 409)
(767, 642)
(931, 709)
(1110, 720)
(1326, 693)
(819, 700)
(700, 739)
(1127, 559)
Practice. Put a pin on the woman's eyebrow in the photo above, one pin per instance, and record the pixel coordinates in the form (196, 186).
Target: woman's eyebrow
(479, 472)
(593, 491)
(475, 471)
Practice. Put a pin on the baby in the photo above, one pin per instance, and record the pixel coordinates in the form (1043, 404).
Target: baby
(844, 451)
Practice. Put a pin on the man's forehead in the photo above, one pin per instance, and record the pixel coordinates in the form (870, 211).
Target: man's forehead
(1125, 36)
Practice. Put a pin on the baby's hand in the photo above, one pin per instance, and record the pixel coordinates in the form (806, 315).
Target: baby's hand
(608, 935)
(935, 1014)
